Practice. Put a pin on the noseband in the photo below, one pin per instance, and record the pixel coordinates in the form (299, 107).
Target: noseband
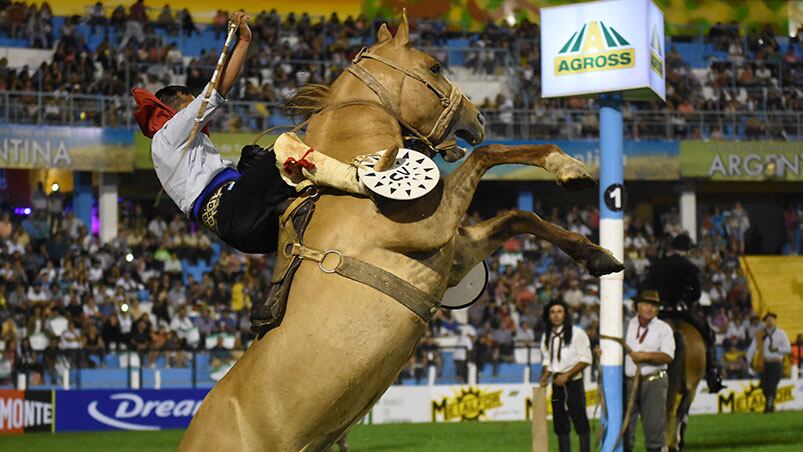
(450, 101)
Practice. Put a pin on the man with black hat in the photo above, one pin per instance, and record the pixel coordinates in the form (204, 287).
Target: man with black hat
(566, 352)
(677, 281)
(653, 343)
(772, 344)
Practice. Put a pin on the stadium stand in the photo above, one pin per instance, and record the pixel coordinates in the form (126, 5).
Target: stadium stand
(160, 296)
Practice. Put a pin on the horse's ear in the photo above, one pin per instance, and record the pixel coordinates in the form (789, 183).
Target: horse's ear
(403, 34)
(383, 35)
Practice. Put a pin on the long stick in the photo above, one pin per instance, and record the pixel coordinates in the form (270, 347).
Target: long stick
(212, 84)
(539, 428)
(207, 95)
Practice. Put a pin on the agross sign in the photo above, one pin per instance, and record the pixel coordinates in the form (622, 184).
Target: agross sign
(606, 46)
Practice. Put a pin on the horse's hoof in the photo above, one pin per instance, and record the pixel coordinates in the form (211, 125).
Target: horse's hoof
(602, 262)
(575, 177)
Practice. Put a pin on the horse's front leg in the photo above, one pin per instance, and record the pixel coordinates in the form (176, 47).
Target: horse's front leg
(460, 185)
(476, 242)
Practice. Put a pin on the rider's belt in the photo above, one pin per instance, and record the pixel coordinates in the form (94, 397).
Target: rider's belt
(652, 377)
(208, 214)
(333, 261)
(773, 360)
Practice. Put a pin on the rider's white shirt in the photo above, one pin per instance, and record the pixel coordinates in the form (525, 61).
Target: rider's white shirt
(184, 175)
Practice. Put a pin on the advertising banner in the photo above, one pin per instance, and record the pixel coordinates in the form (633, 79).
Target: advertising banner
(229, 144)
(743, 396)
(605, 46)
(513, 402)
(95, 410)
(644, 160)
(742, 160)
(88, 410)
(25, 411)
(453, 403)
(69, 148)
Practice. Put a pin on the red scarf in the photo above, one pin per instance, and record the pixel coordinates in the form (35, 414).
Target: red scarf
(645, 325)
(152, 114)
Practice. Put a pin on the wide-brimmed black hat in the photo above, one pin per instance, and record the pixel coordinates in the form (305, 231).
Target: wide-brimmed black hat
(682, 243)
(649, 296)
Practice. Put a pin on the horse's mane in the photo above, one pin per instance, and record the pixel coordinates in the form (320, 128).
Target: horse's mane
(308, 100)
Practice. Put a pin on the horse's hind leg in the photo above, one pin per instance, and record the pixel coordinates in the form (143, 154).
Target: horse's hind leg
(673, 422)
(683, 423)
(479, 240)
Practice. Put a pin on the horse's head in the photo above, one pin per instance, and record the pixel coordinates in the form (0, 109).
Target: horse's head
(411, 85)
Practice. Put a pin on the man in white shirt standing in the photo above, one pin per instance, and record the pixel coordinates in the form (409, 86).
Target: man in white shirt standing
(772, 344)
(239, 204)
(653, 343)
(566, 352)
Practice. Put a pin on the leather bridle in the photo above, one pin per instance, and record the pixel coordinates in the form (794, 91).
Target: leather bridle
(450, 101)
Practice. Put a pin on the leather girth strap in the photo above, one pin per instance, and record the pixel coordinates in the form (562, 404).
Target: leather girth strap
(291, 252)
(332, 261)
(293, 223)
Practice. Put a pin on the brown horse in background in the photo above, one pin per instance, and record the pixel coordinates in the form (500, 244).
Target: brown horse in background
(685, 373)
(341, 343)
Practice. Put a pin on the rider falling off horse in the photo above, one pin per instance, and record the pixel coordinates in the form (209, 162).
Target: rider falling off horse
(238, 203)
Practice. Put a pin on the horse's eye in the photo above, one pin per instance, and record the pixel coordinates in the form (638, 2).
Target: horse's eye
(436, 69)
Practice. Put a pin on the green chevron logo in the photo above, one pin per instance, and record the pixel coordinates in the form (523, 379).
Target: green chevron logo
(656, 53)
(594, 47)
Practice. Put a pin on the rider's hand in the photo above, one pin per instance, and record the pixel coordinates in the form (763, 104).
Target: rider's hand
(240, 18)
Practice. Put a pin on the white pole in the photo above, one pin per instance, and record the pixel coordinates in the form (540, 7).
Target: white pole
(431, 376)
(157, 379)
(527, 375)
(65, 378)
(107, 206)
(688, 211)
(472, 373)
(22, 381)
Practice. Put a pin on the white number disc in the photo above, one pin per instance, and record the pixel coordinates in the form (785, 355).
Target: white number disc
(412, 176)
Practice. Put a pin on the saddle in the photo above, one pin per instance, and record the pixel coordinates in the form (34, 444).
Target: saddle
(292, 225)
(682, 312)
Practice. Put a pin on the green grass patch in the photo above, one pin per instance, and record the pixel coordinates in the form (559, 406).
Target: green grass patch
(726, 432)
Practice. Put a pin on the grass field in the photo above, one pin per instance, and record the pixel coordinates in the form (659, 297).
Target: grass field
(782, 431)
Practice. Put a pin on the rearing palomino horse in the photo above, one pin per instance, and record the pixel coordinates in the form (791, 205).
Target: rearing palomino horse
(341, 342)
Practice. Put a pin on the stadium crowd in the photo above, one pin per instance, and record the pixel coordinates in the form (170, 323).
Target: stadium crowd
(162, 285)
(751, 74)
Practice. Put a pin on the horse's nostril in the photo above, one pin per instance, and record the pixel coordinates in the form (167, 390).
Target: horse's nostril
(481, 119)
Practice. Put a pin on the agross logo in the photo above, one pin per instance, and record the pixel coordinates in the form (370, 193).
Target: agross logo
(595, 47)
(132, 408)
